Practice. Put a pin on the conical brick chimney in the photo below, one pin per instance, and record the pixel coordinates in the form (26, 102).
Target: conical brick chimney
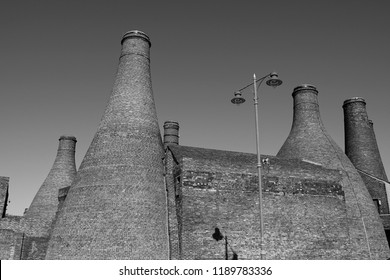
(309, 140)
(361, 146)
(41, 213)
(116, 207)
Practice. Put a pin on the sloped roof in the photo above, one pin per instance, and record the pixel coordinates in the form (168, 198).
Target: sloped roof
(244, 160)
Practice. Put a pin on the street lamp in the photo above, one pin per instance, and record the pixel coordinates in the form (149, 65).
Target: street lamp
(273, 81)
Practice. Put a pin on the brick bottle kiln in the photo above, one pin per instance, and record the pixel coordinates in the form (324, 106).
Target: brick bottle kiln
(116, 207)
(309, 140)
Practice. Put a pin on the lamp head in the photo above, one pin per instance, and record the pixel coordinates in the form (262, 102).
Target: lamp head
(274, 80)
(238, 99)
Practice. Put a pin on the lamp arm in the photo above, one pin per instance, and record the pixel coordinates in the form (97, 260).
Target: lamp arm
(258, 80)
(261, 81)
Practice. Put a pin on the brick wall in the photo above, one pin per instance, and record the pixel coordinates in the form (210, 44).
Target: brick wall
(34, 248)
(377, 191)
(305, 214)
(386, 224)
(10, 244)
(11, 228)
(16, 245)
(386, 221)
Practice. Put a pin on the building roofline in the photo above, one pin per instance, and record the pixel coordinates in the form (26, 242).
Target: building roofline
(372, 176)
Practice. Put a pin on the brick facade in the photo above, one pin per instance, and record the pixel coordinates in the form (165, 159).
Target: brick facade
(10, 244)
(377, 190)
(305, 211)
(11, 237)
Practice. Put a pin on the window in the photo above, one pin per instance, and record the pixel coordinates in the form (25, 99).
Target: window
(378, 204)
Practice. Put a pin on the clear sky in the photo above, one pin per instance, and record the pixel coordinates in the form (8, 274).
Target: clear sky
(58, 61)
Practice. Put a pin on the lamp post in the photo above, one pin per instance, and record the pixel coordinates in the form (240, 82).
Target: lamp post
(273, 81)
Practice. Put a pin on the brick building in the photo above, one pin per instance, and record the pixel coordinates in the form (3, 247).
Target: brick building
(138, 197)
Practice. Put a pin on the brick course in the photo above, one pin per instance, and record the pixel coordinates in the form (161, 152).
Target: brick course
(304, 206)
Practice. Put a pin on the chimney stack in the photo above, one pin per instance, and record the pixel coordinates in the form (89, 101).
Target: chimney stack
(41, 213)
(361, 146)
(309, 140)
(171, 133)
(116, 207)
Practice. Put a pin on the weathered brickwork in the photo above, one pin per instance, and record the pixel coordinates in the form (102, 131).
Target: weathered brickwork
(309, 140)
(304, 207)
(34, 248)
(386, 224)
(378, 193)
(361, 147)
(10, 244)
(16, 245)
(360, 142)
(11, 233)
(171, 132)
(386, 221)
(116, 208)
(206, 181)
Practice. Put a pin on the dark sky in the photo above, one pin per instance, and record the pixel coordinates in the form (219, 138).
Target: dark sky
(58, 61)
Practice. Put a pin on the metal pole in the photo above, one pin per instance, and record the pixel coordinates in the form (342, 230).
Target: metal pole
(262, 252)
(21, 247)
